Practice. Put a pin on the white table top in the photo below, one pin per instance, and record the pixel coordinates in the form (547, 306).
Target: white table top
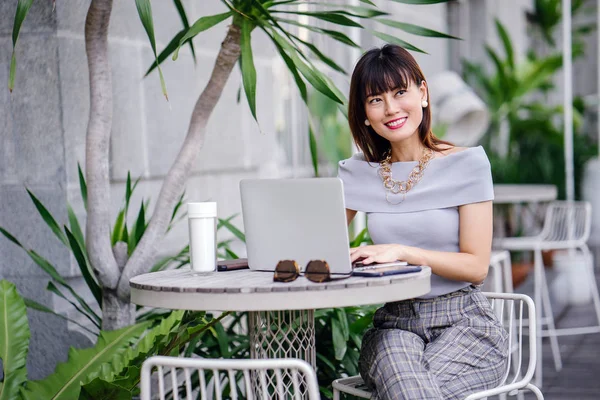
(246, 290)
(517, 193)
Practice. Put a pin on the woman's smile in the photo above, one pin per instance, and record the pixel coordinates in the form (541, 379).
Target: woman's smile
(396, 123)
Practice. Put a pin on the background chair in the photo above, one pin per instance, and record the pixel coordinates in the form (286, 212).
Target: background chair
(566, 227)
(512, 309)
(499, 279)
(231, 379)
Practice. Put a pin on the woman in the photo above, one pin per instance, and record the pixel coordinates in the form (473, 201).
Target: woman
(428, 203)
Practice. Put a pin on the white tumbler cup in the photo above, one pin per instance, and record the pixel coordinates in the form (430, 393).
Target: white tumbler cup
(202, 221)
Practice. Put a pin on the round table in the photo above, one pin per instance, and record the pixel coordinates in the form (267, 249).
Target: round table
(515, 203)
(281, 315)
(518, 193)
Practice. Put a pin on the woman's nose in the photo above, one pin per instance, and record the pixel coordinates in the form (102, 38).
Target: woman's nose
(390, 108)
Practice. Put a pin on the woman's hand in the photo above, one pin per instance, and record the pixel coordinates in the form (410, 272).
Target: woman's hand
(379, 253)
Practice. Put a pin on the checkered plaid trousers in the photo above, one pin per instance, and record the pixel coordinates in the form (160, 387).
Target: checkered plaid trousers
(446, 347)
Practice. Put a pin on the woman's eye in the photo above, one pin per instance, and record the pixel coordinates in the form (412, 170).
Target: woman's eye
(374, 101)
(400, 92)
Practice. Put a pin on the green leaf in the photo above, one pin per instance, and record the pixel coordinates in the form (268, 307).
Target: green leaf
(167, 51)
(50, 270)
(506, 43)
(48, 218)
(236, 232)
(201, 25)
(128, 190)
(314, 77)
(10, 237)
(138, 228)
(220, 223)
(117, 234)
(342, 317)
(83, 365)
(352, 11)
(145, 12)
(333, 17)
(82, 186)
(315, 50)
(23, 7)
(84, 267)
(394, 40)
(150, 344)
(421, 2)
(230, 254)
(313, 149)
(89, 315)
(339, 36)
(166, 260)
(415, 29)
(76, 228)
(359, 238)
(247, 64)
(186, 24)
(40, 307)
(290, 64)
(339, 343)
(14, 340)
(500, 72)
(101, 389)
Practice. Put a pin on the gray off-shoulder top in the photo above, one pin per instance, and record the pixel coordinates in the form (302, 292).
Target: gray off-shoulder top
(428, 216)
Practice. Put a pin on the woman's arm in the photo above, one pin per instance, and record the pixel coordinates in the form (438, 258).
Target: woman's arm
(470, 264)
(350, 214)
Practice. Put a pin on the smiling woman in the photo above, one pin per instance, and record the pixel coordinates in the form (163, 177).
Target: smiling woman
(428, 203)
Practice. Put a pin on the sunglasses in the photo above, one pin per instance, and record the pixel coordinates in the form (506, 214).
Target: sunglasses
(315, 271)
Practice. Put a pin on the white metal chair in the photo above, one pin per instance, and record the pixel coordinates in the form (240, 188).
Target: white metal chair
(512, 309)
(500, 273)
(566, 227)
(232, 379)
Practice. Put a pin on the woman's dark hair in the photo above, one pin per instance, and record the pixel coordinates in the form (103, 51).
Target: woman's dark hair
(378, 71)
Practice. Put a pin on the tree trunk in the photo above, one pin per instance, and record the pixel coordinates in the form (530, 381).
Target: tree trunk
(116, 313)
(97, 145)
(143, 257)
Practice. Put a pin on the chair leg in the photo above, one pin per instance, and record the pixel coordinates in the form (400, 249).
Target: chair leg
(536, 391)
(336, 394)
(537, 298)
(592, 277)
(550, 318)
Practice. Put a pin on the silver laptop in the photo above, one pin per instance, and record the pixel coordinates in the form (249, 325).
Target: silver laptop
(295, 219)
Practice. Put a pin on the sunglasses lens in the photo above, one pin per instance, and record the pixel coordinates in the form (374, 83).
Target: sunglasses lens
(317, 271)
(286, 271)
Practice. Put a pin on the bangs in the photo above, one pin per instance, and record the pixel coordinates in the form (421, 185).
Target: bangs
(384, 74)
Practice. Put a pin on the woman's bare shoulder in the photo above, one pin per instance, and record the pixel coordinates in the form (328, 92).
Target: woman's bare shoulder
(446, 150)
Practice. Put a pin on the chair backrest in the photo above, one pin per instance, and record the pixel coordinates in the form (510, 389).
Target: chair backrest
(568, 221)
(513, 309)
(185, 378)
(500, 274)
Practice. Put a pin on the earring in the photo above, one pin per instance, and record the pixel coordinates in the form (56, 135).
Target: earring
(367, 123)
(424, 103)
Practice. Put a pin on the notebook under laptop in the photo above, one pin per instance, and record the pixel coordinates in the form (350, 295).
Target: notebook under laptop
(295, 219)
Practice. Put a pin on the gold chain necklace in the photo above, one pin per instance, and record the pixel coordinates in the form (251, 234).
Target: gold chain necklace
(395, 186)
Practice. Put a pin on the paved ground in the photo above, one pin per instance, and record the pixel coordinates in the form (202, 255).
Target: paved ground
(580, 377)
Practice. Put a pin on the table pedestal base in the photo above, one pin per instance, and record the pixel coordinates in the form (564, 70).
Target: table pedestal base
(282, 334)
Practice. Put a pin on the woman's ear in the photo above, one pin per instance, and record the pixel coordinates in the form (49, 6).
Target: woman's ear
(423, 91)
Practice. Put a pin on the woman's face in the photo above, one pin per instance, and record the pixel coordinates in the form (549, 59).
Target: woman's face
(396, 114)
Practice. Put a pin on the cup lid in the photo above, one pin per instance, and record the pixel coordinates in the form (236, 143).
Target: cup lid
(203, 209)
